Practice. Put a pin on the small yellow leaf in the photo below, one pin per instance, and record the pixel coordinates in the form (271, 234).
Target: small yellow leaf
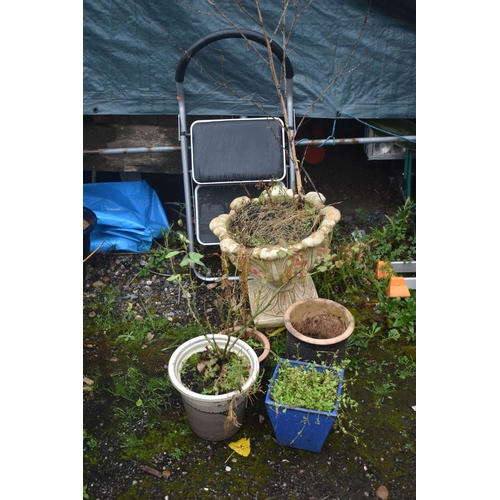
(242, 446)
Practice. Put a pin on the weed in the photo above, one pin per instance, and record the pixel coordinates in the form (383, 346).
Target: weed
(364, 334)
(177, 453)
(381, 389)
(406, 367)
(163, 257)
(377, 367)
(144, 394)
(401, 314)
(361, 216)
(130, 440)
(89, 440)
(206, 373)
(394, 241)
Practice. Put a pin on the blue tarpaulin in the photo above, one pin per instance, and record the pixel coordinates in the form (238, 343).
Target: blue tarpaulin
(129, 215)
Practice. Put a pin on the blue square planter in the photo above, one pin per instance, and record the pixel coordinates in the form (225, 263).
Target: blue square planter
(299, 427)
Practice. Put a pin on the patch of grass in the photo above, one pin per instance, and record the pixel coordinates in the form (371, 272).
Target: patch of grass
(139, 394)
(381, 389)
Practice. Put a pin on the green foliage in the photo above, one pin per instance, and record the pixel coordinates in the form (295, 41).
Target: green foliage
(361, 216)
(207, 373)
(90, 441)
(384, 337)
(401, 313)
(161, 258)
(394, 241)
(350, 271)
(381, 347)
(177, 453)
(130, 440)
(142, 393)
(305, 386)
(407, 367)
(381, 389)
(364, 334)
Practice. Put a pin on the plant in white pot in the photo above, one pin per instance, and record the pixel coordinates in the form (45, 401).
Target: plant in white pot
(215, 374)
(303, 402)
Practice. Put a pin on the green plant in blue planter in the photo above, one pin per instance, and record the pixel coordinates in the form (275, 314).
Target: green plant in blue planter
(302, 402)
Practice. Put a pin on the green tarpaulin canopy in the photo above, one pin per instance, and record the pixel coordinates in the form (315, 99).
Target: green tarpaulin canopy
(132, 48)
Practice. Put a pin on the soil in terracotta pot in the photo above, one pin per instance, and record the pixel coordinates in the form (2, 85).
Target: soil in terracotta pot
(320, 326)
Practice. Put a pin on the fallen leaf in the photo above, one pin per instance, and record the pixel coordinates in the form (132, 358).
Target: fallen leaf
(242, 446)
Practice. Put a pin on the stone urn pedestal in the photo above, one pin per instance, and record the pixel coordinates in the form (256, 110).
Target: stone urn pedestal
(278, 274)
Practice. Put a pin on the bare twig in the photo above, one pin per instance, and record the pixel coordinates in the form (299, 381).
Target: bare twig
(88, 256)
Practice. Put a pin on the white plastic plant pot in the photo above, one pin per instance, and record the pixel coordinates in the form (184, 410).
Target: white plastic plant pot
(208, 415)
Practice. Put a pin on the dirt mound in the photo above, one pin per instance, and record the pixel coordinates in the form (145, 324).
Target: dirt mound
(320, 326)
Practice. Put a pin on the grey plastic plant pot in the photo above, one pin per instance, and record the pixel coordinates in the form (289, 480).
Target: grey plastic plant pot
(303, 347)
(208, 415)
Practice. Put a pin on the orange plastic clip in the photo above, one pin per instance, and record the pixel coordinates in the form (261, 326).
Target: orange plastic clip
(397, 287)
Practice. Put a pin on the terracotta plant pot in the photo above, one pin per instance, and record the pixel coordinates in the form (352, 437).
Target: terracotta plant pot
(311, 318)
(208, 415)
(258, 337)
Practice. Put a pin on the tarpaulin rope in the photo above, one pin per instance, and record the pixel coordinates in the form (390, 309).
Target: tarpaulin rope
(376, 128)
(330, 137)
